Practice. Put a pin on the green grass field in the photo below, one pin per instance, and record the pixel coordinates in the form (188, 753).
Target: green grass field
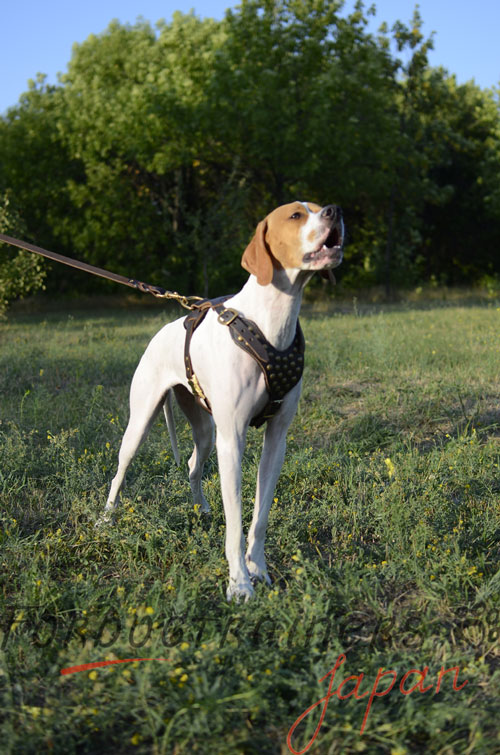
(383, 545)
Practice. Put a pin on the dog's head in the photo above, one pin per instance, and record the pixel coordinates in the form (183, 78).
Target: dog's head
(300, 236)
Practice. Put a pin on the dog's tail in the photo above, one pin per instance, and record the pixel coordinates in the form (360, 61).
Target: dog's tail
(169, 416)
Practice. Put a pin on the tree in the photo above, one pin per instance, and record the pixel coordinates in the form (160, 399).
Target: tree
(463, 230)
(304, 98)
(35, 167)
(445, 161)
(134, 116)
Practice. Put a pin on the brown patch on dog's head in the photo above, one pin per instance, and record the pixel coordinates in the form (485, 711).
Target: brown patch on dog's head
(277, 241)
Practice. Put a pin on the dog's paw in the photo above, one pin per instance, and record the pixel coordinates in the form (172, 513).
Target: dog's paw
(258, 573)
(263, 579)
(202, 507)
(239, 591)
(105, 520)
(205, 506)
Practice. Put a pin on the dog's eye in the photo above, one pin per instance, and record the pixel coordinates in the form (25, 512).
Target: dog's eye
(295, 216)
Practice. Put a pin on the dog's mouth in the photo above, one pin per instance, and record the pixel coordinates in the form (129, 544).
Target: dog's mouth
(334, 240)
(330, 251)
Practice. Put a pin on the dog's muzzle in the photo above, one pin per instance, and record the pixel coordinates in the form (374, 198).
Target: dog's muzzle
(331, 244)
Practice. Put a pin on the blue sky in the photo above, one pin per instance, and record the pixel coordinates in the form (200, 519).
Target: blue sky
(37, 35)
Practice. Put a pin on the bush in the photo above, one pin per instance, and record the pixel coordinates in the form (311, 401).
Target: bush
(21, 273)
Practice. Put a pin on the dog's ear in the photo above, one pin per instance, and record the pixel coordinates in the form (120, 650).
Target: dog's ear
(257, 257)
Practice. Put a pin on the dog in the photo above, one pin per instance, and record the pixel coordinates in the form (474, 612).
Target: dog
(289, 246)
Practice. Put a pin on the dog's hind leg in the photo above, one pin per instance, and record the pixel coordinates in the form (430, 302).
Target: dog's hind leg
(146, 399)
(202, 426)
(169, 418)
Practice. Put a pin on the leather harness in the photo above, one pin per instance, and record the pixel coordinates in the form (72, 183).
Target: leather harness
(281, 369)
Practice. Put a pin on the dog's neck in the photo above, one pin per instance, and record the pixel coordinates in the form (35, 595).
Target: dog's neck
(275, 307)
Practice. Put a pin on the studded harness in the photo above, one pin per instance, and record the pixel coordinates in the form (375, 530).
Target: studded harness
(281, 369)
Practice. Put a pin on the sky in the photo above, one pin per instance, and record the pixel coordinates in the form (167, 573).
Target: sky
(37, 36)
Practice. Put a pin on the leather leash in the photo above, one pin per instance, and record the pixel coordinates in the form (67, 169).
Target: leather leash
(188, 302)
(281, 369)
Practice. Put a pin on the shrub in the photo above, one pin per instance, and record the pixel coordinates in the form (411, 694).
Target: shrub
(21, 273)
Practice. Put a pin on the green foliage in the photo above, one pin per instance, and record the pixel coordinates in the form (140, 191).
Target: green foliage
(163, 146)
(382, 543)
(465, 226)
(139, 130)
(21, 273)
(34, 165)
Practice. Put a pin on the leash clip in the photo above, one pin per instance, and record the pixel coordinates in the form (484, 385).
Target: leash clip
(196, 387)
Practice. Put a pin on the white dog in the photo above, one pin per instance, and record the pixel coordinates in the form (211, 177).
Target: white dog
(259, 382)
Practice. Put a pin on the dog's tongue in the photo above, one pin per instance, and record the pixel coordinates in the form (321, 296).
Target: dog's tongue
(329, 276)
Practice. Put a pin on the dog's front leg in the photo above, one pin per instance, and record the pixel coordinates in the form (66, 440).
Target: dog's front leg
(273, 454)
(230, 448)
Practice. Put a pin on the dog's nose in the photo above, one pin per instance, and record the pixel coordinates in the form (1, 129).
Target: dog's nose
(331, 211)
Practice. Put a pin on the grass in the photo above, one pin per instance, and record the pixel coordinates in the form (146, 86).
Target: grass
(383, 545)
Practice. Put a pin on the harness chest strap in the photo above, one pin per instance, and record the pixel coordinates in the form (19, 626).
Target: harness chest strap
(191, 322)
(282, 370)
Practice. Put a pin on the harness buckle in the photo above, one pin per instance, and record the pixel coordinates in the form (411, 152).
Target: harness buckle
(233, 315)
